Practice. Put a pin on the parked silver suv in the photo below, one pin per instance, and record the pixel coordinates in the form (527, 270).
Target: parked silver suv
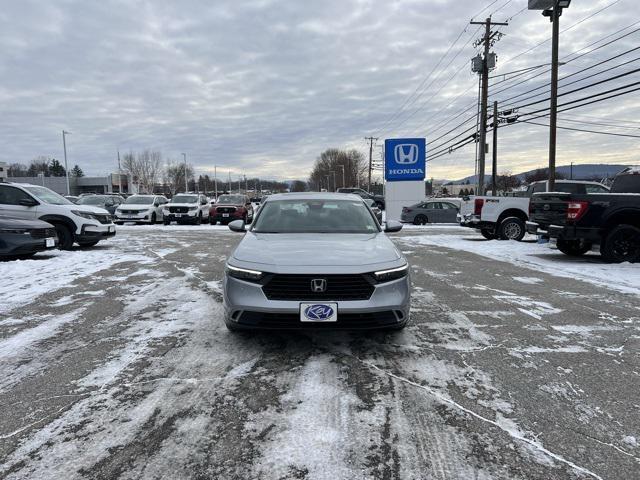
(83, 224)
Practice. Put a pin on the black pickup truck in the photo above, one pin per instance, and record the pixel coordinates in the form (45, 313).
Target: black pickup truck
(578, 222)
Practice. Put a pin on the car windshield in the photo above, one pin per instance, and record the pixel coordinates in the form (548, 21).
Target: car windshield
(185, 199)
(92, 200)
(139, 200)
(315, 216)
(231, 199)
(47, 196)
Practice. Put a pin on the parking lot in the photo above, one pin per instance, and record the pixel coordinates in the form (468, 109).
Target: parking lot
(519, 363)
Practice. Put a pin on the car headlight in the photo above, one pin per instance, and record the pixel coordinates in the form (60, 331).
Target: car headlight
(391, 274)
(165, 208)
(244, 274)
(192, 208)
(82, 214)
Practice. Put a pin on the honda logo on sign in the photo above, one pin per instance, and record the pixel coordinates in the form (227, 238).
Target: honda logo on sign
(318, 285)
(406, 154)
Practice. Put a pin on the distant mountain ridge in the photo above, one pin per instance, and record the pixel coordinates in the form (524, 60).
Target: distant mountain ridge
(581, 171)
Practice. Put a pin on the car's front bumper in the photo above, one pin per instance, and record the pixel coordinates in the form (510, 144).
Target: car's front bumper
(133, 217)
(181, 217)
(246, 306)
(90, 232)
(15, 244)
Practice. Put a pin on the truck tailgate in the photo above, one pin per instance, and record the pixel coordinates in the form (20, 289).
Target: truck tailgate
(549, 208)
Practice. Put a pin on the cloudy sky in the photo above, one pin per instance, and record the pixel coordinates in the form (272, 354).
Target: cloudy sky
(261, 87)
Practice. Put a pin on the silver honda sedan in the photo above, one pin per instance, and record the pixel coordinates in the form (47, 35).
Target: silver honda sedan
(316, 260)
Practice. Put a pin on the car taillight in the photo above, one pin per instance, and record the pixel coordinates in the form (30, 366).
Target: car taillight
(477, 206)
(575, 210)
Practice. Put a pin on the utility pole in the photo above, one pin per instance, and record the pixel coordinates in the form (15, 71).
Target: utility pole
(371, 140)
(571, 174)
(66, 168)
(215, 181)
(494, 150)
(246, 189)
(186, 185)
(342, 167)
(553, 112)
(119, 175)
(487, 41)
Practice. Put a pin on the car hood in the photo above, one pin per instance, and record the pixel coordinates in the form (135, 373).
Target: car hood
(281, 251)
(227, 205)
(90, 209)
(139, 208)
(181, 205)
(8, 222)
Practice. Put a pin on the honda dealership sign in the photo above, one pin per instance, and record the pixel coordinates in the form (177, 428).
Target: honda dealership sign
(404, 159)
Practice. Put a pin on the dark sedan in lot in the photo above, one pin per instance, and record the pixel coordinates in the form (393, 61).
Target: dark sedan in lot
(25, 238)
(430, 212)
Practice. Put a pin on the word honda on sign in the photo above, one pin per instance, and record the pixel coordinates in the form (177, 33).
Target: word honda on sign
(404, 159)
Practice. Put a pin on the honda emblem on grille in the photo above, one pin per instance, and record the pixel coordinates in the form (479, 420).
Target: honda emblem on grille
(319, 285)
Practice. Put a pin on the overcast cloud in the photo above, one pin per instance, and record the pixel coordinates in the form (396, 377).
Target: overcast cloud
(261, 87)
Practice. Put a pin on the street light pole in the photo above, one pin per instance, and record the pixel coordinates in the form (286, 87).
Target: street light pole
(334, 180)
(342, 167)
(66, 167)
(215, 180)
(186, 185)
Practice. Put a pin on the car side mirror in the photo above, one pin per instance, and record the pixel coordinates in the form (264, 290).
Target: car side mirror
(392, 226)
(156, 204)
(28, 202)
(237, 226)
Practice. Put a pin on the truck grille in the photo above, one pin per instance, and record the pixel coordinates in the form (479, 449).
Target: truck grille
(299, 288)
(43, 233)
(178, 209)
(225, 209)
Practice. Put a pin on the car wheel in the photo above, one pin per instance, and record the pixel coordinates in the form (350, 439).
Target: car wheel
(153, 218)
(573, 248)
(622, 244)
(511, 228)
(420, 220)
(488, 234)
(65, 236)
(166, 222)
(92, 243)
(199, 219)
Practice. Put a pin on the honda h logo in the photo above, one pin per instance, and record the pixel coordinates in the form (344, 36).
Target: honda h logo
(318, 285)
(406, 153)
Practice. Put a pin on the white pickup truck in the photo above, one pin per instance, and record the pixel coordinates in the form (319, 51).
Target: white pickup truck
(504, 217)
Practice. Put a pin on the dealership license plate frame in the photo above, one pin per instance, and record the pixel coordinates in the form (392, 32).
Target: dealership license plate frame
(332, 319)
(50, 242)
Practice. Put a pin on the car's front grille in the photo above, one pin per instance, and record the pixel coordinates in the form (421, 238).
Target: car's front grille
(354, 321)
(225, 209)
(43, 233)
(178, 209)
(103, 218)
(130, 212)
(336, 287)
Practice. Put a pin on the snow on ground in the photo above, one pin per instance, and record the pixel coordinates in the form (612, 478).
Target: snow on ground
(532, 256)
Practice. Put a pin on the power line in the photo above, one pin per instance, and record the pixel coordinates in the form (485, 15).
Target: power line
(599, 132)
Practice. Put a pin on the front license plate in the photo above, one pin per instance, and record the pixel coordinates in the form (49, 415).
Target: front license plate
(50, 242)
(319, 312)
(225, 214)
(178, 215)
(111, 229)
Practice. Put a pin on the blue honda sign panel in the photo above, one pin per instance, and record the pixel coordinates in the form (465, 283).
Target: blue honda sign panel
(404, 159)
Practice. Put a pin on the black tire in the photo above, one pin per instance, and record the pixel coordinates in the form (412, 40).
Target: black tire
(65, 236)
(153, 218)
(573, 248)
(622, 244)
(511, 228)
(166, 222)
(92, 243)
(420, 220)
(488, 234)
(199, 219)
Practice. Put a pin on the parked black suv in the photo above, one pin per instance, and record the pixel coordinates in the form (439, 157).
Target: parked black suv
(576, 222)
(24, 238)
(379, 199)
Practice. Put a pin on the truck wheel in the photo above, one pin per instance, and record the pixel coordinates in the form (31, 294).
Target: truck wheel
(420, 220)
(573, 248)
(622, 244)
(511, 228)
(65, 236)
(488, 234)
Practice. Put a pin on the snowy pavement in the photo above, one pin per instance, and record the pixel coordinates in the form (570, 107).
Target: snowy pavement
(519, 363)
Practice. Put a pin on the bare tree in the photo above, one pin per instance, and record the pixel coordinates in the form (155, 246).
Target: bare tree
(145, 168)
(17, 170)
(174, 175)
(335, 160)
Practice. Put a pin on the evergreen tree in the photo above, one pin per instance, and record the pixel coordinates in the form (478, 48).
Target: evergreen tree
(56, 169)
(76, 171)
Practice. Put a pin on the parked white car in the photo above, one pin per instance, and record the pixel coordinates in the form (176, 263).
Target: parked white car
(187, 208)
(141, 209)
(85, 225)
(505, 217)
